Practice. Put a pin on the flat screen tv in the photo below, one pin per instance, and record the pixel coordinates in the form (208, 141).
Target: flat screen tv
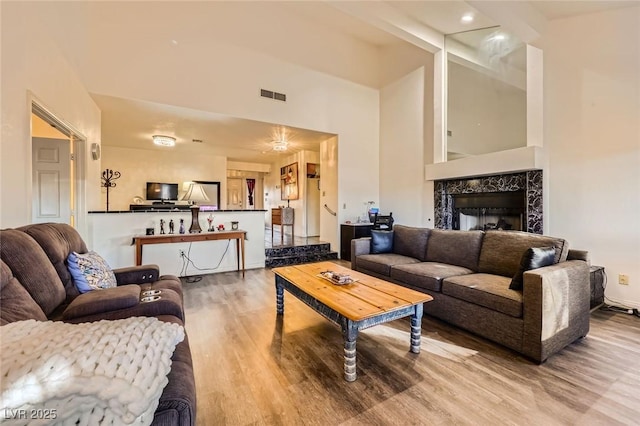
(157, 191)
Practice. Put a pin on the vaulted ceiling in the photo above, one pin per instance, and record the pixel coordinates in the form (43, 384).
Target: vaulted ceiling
(304, 33)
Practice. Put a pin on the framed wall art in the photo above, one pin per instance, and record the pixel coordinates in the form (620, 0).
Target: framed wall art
(289, 182)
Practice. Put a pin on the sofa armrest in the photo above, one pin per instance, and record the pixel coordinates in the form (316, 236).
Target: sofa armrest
(556, 307)
(579, 255)
(359, 246)
(142, 274)
(100, 301)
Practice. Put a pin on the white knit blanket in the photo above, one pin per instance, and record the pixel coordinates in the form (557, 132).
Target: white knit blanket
(101, 373)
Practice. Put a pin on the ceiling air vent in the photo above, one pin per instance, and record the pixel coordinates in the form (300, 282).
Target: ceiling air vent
(273, 95)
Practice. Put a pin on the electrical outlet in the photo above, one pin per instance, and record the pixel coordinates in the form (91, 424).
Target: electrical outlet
(181, 253)
(623, 279)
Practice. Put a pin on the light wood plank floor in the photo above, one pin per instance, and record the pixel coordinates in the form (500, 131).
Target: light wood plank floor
(254, 368)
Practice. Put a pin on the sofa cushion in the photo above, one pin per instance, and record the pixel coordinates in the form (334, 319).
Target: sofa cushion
(15, 303)
(460, 248)
(426, 275)
(58, 240)
(381, 241)
(31, 267)
(533, 258)
(410, 241)
(502, 250)
(490, 291)
(90, 271)
(382, 263)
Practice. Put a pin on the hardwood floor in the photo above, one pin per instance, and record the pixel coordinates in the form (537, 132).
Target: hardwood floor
(254, 368)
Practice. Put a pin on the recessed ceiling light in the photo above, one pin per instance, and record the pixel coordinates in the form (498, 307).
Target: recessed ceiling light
(499, 37)
(467, 17)
(164, 140)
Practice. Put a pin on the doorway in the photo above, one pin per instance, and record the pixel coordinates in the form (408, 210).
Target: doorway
(56, 171)
(235, 193)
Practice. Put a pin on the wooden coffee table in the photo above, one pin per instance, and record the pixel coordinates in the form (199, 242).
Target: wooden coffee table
(367, 302)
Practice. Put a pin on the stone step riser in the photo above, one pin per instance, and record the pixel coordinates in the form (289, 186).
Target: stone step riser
(297, 250)
(272, 262)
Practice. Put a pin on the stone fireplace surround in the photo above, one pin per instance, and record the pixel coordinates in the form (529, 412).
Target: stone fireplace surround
(530, 182)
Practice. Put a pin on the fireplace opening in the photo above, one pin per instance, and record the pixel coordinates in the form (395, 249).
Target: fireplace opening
(489, 210)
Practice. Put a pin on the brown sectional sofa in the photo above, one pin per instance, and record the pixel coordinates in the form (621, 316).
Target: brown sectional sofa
(468, 273)
(36, 284)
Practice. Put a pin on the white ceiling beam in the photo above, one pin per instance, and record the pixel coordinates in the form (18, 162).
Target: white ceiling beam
(387, 18)
(518, 16)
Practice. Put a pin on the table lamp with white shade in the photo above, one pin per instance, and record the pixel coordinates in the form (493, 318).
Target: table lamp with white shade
(194, 195)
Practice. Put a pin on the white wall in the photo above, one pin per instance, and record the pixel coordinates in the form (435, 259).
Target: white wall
(484, 114)
(31, 63)
(139, 166)
(592, 135)
(315, 100)
(401, 148)
(406, 135)
(329, 229)
(226, 79)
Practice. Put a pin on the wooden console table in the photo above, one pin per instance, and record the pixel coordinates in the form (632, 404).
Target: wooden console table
(238, 235)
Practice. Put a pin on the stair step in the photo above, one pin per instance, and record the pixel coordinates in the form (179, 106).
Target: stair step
(297, 250)
(296, 259)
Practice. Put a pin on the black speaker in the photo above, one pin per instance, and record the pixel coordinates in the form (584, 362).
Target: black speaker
(597, 278)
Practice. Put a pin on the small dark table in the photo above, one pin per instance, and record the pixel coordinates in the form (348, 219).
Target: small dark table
(349, 231)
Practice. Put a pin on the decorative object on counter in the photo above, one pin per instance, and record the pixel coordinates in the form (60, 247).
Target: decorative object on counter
(150, 231)
(171, 226)
(194, 195)
(221, 227)
(289, 180)
(210, 220)
(138, 200)
(108, 177)
(366, 218)
(337, 278)
(234, 225)
(251, 185)
(161, 226)
(181, 230)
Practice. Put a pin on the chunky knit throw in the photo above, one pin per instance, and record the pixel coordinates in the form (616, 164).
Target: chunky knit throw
(101, 373)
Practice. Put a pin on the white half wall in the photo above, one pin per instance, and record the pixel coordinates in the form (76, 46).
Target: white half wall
(592, 135)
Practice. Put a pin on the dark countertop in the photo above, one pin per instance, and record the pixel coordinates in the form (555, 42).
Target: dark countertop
(169, 210)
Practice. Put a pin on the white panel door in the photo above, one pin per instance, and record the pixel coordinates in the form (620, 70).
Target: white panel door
(235, 196)
(51, 180)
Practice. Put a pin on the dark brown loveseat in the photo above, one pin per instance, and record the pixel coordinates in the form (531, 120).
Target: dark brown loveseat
(468, 273)
(36, 284)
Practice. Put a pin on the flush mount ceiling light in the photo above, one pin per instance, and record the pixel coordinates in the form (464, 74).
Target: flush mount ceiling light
(279, 145)
(164, 140)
